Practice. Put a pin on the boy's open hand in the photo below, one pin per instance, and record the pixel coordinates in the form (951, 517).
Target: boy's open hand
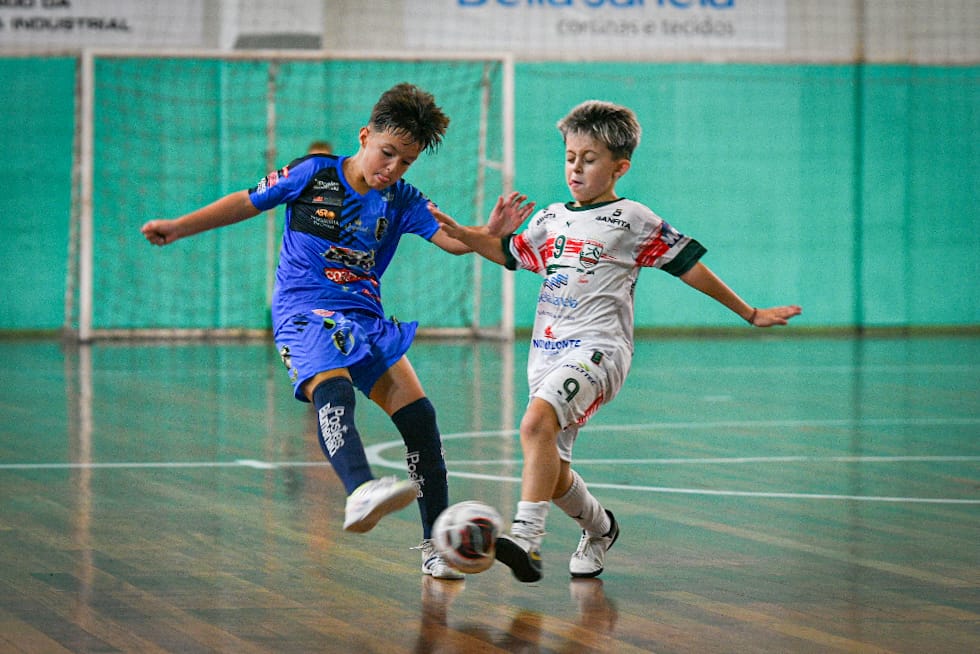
(508, 214)
(775, 315)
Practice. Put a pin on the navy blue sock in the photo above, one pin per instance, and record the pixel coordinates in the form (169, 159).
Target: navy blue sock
(338, 437)
(426, 462)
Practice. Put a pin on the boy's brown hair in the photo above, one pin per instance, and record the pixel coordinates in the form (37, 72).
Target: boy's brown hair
(407, 110)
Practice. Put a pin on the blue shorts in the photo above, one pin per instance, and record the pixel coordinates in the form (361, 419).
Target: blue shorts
(319, 340)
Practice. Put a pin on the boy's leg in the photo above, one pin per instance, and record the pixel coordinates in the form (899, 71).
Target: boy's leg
(368, 499)
(563, 397)
(599, 528)
(583, 507)
(339, 439)
(426, 464)
(520, 550)
(427, 468)
(398, 391)
(321, 350)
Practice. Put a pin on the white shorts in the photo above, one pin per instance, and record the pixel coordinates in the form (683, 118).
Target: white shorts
(576, 383)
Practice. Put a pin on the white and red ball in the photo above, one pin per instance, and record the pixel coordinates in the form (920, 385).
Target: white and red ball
(465, 534)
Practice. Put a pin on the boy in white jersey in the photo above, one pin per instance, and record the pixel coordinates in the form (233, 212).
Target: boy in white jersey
(590, 252)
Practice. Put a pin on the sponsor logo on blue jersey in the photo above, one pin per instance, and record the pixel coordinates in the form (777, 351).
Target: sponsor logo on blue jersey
(350, 257)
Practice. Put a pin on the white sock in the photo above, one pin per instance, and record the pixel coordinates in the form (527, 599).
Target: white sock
(582, 507)
(529, 520)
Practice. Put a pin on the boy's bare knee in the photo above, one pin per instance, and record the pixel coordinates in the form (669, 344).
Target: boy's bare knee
(539, 424)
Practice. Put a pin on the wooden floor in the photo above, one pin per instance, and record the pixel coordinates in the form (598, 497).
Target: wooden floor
(775, 495)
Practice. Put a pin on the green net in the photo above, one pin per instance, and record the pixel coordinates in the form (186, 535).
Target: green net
(174, 134)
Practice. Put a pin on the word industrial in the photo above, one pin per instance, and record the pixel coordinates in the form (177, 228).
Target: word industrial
(68, 24)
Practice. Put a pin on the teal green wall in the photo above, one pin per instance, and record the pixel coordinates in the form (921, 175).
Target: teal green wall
(919, 184)
(849, 190)
(36, 116)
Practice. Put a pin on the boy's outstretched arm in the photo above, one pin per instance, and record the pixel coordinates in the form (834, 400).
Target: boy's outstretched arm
(230, 209)
(701, 278)
(507, 215)
(475, 238)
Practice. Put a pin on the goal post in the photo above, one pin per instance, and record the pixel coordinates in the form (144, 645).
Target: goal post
(162, 133)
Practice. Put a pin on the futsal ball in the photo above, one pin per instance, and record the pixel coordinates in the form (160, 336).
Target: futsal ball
(465, 534)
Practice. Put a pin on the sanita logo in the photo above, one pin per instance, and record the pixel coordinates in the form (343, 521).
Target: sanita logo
(597, 4)
(617, 222)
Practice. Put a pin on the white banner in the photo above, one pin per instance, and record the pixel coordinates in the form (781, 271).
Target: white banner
(611, 29)
(100, 23)
(221, 24)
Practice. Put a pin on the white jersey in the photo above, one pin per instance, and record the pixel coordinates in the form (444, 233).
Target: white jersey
(590, 258)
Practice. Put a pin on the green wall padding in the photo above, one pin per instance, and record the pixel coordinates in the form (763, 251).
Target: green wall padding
(37, 121)
(782, 171)
(184, 132)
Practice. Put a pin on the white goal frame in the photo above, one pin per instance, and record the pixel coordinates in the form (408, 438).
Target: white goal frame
(81, 264)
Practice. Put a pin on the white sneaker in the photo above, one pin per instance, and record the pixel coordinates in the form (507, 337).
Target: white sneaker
(434, 565)
(588, 559)
(375, 499)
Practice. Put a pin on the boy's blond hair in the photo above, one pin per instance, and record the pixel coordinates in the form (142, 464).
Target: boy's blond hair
(613, 125)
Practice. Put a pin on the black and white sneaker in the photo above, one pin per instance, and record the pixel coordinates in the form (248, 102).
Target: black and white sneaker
(521, 555)
(588, 559)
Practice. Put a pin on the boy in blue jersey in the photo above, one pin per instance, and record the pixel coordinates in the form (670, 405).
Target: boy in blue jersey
(343, 221)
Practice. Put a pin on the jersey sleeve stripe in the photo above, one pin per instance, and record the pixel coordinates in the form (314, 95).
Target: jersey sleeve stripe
(526, 254)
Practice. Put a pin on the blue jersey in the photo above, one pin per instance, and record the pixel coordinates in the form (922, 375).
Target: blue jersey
(336, 243)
